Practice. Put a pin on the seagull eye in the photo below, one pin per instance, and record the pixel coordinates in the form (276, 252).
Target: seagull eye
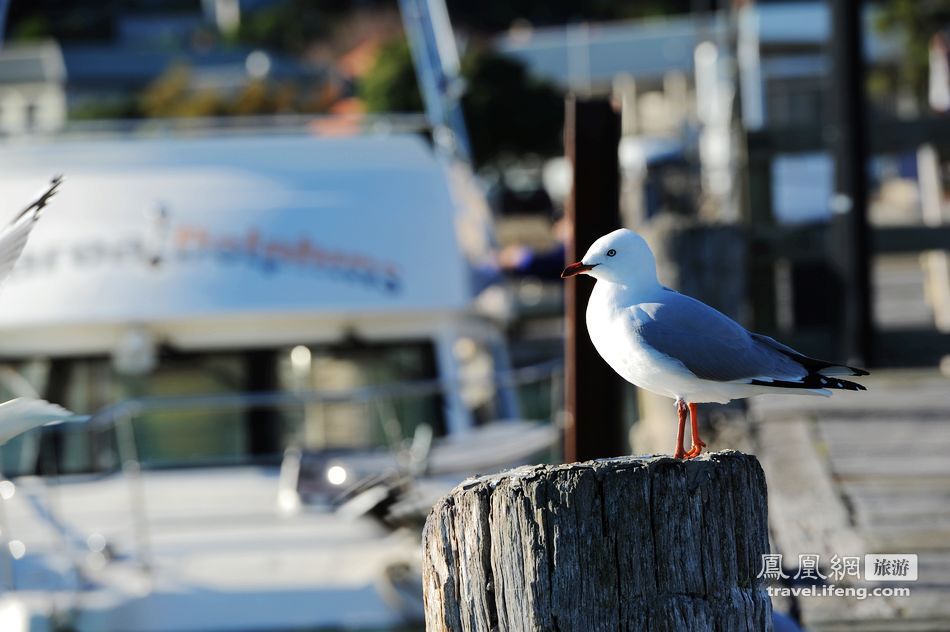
(611, 252)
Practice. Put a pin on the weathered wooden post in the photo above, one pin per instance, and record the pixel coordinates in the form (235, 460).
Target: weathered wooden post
(631, 543)
(592, 390)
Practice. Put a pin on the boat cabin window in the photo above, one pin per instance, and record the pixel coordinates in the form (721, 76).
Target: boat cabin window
(352, 416)
(476, 364)
(348, 396)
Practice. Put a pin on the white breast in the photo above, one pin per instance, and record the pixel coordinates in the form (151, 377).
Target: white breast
(609, 327)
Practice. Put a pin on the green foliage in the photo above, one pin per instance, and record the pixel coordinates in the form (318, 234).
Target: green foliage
(391, 84)
(64, 20)
(293, 25)
(918, 21)
(287, 26)
(169, 95)
(172, 95)
(507, 111)
(32, 27)
(105, 109)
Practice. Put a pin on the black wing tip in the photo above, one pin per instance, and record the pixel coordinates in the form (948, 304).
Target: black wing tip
(814, 381)
(846, 385)
(812, 365)
(54, 183)
(40, 203)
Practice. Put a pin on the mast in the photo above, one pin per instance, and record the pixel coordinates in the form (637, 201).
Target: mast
(4, 5)
(436, 60)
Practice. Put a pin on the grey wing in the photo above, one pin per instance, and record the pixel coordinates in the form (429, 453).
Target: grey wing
(710, 344)
(13, 238)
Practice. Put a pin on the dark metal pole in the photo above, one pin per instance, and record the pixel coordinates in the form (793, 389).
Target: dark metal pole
(847, 133)
(594, 424)
(4, 5)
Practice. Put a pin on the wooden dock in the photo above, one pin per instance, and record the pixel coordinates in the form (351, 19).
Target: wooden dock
(863, 473)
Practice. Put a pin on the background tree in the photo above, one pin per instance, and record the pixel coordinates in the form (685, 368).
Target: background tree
(508, 112)
(390, 86)
(916, 21)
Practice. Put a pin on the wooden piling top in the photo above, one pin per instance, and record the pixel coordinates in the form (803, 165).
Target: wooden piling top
(629, 543)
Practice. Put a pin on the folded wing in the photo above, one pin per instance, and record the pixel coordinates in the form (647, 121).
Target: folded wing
(714, 347)
(708, 343)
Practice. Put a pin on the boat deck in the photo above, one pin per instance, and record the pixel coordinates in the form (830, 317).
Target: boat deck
(214, 553)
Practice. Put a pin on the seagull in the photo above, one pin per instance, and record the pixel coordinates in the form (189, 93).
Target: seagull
(25, 413)
(676, 346)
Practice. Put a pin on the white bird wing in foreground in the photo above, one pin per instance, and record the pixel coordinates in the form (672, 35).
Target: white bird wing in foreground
(708, 343)
(20, 415)
(23, 414)
(13, 238)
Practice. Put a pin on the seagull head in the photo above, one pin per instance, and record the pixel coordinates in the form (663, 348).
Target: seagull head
(618, 257)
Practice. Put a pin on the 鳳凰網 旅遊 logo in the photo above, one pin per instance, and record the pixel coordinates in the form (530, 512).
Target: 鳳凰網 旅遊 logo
(841, 576)
(890, 567)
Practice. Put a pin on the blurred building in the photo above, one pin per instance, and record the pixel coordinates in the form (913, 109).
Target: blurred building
(104, 66)
(650, 60)
(104, 73)
(939, 78)
(677, 78)
(32, 88)
(784, 63)
(651, 67)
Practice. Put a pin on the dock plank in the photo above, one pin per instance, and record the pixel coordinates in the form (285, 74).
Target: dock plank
(872, 474)
(807, 513)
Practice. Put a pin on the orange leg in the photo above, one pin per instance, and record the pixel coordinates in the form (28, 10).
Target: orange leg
(681, 409)
(697, 444)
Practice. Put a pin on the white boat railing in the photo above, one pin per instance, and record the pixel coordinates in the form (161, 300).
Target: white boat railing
(235, 401)
(121, 418)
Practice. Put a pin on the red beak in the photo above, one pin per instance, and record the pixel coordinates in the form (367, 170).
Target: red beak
(574, 269)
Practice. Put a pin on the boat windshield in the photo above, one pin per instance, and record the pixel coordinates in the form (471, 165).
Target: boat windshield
(186, 434)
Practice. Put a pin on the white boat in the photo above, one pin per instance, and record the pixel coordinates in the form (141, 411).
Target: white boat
(209, 303)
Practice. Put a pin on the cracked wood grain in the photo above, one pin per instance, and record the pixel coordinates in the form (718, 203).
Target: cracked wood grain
(633, 543)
